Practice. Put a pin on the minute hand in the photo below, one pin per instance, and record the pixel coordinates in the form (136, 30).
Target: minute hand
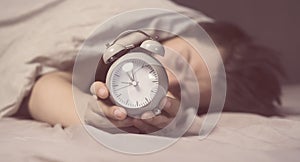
(137, 70)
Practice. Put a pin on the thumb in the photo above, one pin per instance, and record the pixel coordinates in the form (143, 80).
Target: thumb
(99, 89)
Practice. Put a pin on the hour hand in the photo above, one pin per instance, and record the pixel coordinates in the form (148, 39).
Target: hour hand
(133, 75)
(131, 78)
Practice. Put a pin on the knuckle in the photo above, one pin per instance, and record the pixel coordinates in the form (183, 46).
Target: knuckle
(161, 121)
(137, 123)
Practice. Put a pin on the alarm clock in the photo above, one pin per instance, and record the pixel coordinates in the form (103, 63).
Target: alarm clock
(136, 80)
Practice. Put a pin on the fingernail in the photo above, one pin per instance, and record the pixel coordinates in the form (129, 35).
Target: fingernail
(122, 110)
(101, 91)
(147, 115)
(118, 114)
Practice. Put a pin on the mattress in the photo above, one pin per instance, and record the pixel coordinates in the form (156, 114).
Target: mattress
(237, 137)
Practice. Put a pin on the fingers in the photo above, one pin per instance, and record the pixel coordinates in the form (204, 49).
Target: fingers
(99, 89)
(144, 127)
(170, 106)
(151, 123)
(114, 112)
(147, 115)
(111, 112)
(101, 122)
(131, 129)
(159, 121)
(166, 105)
(128, 122)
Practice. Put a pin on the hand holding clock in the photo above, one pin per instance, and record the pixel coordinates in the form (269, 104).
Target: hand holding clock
(148, 122)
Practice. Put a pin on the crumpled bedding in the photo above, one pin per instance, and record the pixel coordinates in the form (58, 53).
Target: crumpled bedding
(237, 137)
(38, 37)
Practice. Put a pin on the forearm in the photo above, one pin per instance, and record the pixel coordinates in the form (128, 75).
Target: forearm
(51, 100)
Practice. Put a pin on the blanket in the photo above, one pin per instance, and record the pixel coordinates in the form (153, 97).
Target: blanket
(39, 37)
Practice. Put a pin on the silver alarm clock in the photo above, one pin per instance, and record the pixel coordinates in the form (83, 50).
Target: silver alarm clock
(136, 80)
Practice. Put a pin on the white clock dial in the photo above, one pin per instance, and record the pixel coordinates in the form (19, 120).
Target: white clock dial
(134, 83)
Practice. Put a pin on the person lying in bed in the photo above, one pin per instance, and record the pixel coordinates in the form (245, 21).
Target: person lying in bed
(252, 85)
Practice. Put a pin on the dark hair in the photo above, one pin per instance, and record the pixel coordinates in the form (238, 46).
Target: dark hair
(253, 72)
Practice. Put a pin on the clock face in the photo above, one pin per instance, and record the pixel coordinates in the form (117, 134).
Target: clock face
(133, 83)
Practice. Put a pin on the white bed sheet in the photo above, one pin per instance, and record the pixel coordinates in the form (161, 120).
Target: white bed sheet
(237, 137)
